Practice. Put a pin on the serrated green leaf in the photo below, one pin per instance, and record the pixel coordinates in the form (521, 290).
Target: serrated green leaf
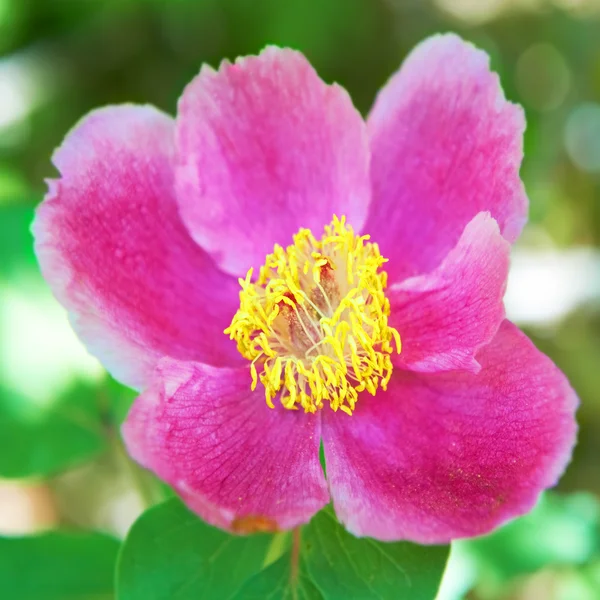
(276, 582)
(58, 566)
(171, 554)
(342, 566)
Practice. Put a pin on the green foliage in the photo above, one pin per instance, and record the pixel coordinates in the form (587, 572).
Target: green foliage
(58, 566)
(44, 441)
(278, 582)
(40, 437)
(16, 243)
(343, 566)
(63, 58)
(559, 531)
(171, 554)
(121, 398)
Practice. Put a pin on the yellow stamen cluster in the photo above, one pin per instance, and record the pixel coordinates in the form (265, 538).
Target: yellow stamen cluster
(315, 322)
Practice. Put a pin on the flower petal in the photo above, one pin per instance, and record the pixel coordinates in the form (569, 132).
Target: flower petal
(445, 145)
(264, 147)
(112, 246)
(444, 317)
(451, 455)
(239, 464)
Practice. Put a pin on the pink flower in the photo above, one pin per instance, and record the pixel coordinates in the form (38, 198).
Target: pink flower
(153, 220)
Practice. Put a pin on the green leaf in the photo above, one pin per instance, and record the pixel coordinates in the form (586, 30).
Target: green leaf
(58, 566)
(120, 398)
(277, 583)
(16, 242)
(170, 553)
(47, 439)
(342, 566)
(561, 530)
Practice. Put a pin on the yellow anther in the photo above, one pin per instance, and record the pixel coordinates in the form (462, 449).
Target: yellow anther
(254, 375)
(397, 340)
(315, 322)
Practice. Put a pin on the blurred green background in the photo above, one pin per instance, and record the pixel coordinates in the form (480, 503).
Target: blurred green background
(60, 458)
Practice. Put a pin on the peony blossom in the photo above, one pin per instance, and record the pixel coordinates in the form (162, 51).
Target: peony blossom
(274, 274)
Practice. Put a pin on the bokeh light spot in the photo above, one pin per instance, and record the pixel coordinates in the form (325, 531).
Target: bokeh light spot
(582, 137)
(543, 77)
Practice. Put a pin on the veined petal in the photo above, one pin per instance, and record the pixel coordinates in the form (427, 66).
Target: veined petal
(445, 146)
(452, 455)
(445, 316)
(112, 247)
(264, 147)
(237, 463)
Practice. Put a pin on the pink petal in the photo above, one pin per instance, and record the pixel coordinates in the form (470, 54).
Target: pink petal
(444, 317)
(237, 463)
(445, 456)
(112, 247)
(264, 148)
(445, 145)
